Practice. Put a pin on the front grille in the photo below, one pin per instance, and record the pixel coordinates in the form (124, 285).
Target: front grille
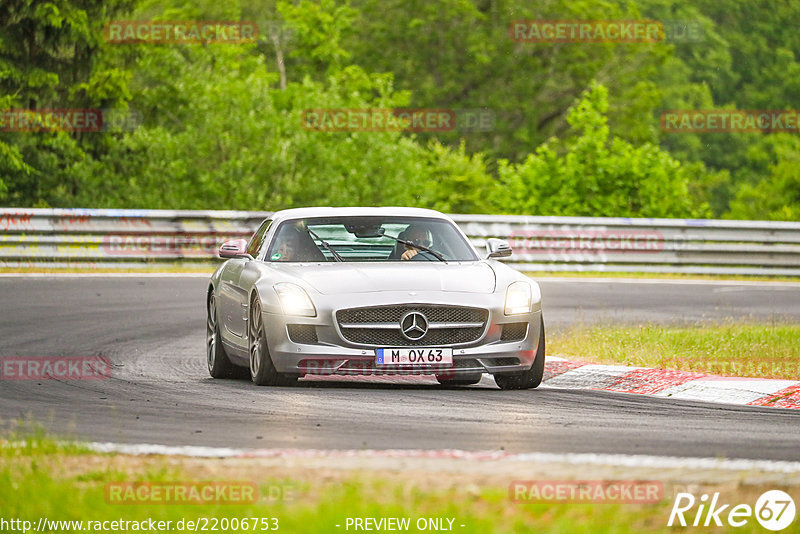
(391, 336)
(393, 314)
(302, 333)
(514, 332)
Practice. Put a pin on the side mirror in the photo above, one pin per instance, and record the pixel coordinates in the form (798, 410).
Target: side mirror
(497, 248)
(233, 249)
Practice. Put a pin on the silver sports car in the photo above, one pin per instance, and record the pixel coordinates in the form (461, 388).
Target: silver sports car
(343, 291)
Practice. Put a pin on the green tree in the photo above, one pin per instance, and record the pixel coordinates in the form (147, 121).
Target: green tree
(222, 132)
(748, 57)
(595, 173)
(775, 195)
(459, 54)
(52, 56)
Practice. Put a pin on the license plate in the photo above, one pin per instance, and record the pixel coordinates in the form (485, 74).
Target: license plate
(422, 356)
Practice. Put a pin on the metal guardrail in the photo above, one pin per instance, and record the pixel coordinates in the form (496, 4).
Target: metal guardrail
(90, 238)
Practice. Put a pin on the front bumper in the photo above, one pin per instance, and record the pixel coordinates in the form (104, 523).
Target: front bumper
(333, 355)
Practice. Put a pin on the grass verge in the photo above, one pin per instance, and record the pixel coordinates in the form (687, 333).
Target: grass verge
(40, 479)
(660, 276)
(734, 349)
(164, 268)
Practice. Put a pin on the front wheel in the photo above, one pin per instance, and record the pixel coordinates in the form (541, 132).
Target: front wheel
(532, 377)
(219, 366)
(262, 370)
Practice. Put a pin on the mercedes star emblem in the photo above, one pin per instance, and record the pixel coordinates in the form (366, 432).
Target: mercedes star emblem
(414, 325)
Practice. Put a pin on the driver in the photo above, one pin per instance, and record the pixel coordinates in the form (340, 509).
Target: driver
(417, 235)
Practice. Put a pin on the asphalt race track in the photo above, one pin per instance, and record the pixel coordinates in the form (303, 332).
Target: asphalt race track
(153, 330)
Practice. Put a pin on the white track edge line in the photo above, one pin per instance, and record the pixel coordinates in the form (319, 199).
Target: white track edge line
(618, 460)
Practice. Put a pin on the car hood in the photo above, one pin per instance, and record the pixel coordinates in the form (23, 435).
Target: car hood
(332, 278)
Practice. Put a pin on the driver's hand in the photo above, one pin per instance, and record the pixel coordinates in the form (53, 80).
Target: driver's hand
(408, 254)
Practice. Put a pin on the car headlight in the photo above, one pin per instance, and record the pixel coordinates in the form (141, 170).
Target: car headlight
(295, 300)
(518, 298)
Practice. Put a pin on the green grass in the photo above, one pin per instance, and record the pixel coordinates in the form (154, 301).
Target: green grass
(734, 349)
(145, 268)
(661, 276)
(42, 479)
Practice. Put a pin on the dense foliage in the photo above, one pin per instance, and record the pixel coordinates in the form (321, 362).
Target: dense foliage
(575, 131)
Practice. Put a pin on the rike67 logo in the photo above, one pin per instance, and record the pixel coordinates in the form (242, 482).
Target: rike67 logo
(774, 510)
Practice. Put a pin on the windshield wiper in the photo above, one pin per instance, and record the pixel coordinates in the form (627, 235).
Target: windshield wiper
(325, 245)
(435, 254)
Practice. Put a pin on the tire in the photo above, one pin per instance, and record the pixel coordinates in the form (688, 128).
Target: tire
(532, 377)
(219, 365)
(262, 370)
(466, 380)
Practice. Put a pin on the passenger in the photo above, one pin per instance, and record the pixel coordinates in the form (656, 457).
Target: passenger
(288, 248)
(294, 244)
(290, 243)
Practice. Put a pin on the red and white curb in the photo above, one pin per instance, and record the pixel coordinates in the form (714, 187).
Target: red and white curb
(568, 374)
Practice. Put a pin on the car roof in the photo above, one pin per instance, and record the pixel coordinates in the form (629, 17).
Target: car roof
(302, 213)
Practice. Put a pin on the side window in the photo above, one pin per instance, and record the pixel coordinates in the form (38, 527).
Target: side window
(258, 238)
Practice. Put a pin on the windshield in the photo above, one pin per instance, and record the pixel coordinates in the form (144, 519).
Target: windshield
(361, 239)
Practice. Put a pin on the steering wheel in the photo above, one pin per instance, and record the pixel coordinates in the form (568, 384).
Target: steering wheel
(419, 256)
